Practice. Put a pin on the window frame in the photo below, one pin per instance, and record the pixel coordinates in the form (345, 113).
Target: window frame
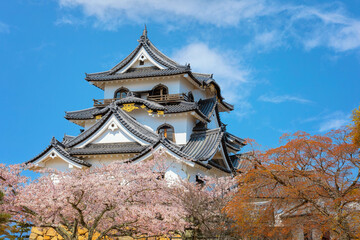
(121, 90)
(167, 126)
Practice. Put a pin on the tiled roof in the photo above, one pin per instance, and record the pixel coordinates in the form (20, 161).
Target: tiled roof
(203, 145)
(130, 123)
(136, 74)
(242, 162)
(67, 138)
(217, 87)
(200, 126)
(180, 107)
(108, 148)
(83, 114)
(126, 60)
(149, 104)
(172, 66)
(61, 149)
(207, 106)
(202, 76)
(204, 108)
(234, 142)
(135, 127)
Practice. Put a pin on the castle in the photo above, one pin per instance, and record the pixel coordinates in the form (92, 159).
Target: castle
(150, 103)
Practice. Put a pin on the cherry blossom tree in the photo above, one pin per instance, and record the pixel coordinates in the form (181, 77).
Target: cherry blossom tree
(118, 199)
(11, 181)
(204, 204)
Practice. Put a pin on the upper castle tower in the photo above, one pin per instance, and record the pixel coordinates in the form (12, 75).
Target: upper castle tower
(150, 102)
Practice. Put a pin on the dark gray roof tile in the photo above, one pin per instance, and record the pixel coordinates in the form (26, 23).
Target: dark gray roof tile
(136, 74)
(180, 107)
(108, 148)
(207, 106)
(129, 122)
(203, 145)
(149, 104)
(83, 114)
(61, 149)
(242, 162)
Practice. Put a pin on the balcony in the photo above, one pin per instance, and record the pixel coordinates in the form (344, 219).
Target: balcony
(168, 98)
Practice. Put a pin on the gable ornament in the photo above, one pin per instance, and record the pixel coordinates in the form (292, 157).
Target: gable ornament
(129, 107)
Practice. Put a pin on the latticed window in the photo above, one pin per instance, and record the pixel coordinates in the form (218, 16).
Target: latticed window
(121, 93)
(167, 131)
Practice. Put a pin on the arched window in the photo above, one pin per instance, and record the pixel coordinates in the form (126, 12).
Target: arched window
(167, 131)
(121, 93)
(160, 90)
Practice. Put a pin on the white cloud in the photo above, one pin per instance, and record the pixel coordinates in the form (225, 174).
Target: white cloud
(220, 13)
(326, 121)
(228, 71)
(330, 121)
(4, 28)
(331, 28)
(334, 123)
(270, 22)
(282, 98)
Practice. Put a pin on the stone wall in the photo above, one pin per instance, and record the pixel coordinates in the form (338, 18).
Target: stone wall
(51, 234)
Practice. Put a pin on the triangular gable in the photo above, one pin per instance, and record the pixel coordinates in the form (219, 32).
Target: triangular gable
(115, 126)
(144, 57)
(56, 151)
(112, 131)
(52, 155)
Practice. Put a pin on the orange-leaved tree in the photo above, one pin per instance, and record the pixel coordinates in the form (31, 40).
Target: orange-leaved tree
(356, 126)
(309, 185)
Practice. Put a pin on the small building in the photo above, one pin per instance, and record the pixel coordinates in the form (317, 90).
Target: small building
(150, 103)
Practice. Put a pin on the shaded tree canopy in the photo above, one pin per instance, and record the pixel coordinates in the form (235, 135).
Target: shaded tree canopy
(311, 181)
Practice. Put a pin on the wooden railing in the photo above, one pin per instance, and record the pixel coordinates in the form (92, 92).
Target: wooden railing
(156, 98)
(168, 98)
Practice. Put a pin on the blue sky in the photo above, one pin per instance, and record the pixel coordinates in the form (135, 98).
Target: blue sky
(286, 65)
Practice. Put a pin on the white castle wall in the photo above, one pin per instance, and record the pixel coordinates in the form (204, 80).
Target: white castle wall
(175, 84)
(183, 123)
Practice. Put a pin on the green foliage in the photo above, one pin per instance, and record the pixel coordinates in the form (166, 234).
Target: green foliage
(10, 230)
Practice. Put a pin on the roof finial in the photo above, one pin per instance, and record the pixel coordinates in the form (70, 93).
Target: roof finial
(145, 32)
(53, 141)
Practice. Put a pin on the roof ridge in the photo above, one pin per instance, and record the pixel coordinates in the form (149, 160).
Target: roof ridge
(54, 143)
(82, 110)
(158, 52)
(125, 60)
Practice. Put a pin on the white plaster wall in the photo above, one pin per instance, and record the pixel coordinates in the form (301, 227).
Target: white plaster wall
(145, 84)
(57, 163)
(115, 136)
(186, 86)
(183, 123)
(100, 160)
(198, 170)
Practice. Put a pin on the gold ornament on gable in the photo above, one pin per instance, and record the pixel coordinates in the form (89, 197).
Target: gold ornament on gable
(129, 107)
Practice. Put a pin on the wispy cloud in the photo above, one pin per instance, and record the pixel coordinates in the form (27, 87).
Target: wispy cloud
(334, 121)
(219, 13)
(271, 23)
(4, 28)
(327, 121)
(228, 71)
(282, 99)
